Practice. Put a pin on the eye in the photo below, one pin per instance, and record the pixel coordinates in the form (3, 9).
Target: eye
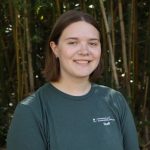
(72, 43)
(93, 43)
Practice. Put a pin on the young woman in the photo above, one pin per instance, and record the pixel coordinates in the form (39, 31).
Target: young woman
(70, 112)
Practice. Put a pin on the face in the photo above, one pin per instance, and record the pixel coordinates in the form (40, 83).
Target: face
(78, 50)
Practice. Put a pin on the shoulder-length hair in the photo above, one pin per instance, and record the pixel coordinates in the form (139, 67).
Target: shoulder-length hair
(51, 70)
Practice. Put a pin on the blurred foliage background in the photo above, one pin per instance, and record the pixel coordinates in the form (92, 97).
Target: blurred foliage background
(125, 36)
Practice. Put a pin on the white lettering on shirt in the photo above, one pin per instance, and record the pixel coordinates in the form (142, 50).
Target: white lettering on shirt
(105, 120)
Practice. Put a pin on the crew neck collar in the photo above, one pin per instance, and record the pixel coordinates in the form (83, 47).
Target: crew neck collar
(69, 96)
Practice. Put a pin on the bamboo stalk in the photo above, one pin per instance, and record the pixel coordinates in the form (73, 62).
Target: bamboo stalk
(112, 31)
(135, 51)
(146, 145)
(83, 5)
(13, 14)
(24, 67)
(147, 138)
(58, 7)
(17, 55)
(130, 46)
(109, 44)
(146, 111)
(113, 27)
(133, 63)
(104, 53)
(146, 92)
(124, 51)
(13, 60)
(29, 49)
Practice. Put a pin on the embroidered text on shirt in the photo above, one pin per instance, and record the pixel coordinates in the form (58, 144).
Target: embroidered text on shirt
(105, 120)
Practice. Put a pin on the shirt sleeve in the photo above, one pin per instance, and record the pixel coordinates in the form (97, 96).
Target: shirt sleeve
(130, 138)
(25, 132)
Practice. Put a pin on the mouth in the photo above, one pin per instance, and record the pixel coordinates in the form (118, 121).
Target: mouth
(82, 61)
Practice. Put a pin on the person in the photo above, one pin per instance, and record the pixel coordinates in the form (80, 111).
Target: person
(70, 111)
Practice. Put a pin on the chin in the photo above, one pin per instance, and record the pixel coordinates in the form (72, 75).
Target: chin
(83, 76)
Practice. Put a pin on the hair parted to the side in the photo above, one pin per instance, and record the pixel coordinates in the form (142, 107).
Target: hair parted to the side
(51, 70)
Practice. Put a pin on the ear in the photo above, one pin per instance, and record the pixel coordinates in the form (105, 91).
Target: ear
(54, 48)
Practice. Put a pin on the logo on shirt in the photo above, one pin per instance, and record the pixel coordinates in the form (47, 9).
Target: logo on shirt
(105, 120)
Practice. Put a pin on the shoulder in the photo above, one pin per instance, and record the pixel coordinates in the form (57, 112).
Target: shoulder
(106, 91)
(35, 98)
(111, 96)
(33, 104)
(115, 101)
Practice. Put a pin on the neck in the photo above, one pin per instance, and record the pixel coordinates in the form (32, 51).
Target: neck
(76, 87)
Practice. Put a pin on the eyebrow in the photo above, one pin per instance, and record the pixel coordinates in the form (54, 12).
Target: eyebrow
(75, 38)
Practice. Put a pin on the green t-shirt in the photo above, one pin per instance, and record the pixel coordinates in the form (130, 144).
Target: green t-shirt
(52, 120)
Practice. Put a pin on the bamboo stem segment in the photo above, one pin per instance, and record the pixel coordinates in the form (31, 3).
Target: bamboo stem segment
(124, 51)
(109, 44)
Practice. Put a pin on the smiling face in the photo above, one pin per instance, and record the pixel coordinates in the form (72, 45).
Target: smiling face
(78, 50)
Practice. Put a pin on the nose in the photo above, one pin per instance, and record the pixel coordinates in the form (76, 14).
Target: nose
(84, 49)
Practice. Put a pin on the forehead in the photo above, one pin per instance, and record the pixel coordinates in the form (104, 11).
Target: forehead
(80, 28)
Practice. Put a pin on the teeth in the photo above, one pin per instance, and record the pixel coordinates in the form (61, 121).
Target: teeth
(82, 61)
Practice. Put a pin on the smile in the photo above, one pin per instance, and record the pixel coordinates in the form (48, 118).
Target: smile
(82, 61)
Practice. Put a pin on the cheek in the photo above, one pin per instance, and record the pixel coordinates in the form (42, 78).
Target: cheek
(66, 51)
(65, 56)
(97, 54)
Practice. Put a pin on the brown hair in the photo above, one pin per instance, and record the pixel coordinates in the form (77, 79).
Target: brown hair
(52, 67)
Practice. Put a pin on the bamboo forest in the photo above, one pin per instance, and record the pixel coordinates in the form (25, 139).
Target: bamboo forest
(125, 37)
